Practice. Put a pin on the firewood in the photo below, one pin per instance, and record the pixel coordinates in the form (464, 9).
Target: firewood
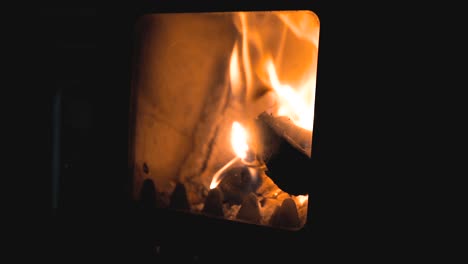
(287, 164)
(298, 137)
(236, 184)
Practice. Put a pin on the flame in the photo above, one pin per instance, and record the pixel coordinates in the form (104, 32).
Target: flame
(234, 72)
(219, 174)
(239, 145)
(239, 140)
(245, 53)
(272, 63)
(277, 51)
(293, 103)
(302, 24)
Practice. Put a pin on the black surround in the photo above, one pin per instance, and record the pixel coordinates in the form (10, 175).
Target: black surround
(92, 54)
(377, 63)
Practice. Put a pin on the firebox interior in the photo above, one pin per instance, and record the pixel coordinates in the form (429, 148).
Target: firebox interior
(217, 101)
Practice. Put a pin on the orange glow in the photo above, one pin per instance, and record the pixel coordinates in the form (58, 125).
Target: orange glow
(302, 199)
(239, 140)
(293, 103)
(240, 147)
(245, 51)
(279, 52)
(302, 24)
(234, 72)
(219, 174)
(272, 68)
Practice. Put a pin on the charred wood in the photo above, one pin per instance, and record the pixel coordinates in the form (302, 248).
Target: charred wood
(236, 184)
(287, 163)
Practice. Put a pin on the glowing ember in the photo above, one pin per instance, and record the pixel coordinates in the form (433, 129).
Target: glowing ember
(302, 199)
(240, 147)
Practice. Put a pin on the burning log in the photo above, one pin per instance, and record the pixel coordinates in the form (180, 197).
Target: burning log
(179, 199)
(298, 137)
(216, 82)
(250, 210)
(214, 203)
(286, 152)
(237, 184)
(286, 215)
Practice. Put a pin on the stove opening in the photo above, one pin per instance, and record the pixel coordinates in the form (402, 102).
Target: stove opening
(222, 114)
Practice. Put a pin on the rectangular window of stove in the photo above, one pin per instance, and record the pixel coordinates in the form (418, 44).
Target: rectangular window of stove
(223, 112)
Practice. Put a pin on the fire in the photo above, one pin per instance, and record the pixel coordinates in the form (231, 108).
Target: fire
(234, 72)
(272, 68)
(292, 102)
(239, 140)
(283, 47)
(239, 145)
(302, 24)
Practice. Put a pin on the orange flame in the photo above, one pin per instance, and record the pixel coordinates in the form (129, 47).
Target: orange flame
(278, 52)
(293, 103)
(239, 140)
(239, 145)
(234, 73)
(303, 24)
(270, 48)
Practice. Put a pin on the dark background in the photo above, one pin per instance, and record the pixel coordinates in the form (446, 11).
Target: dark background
(364, 164)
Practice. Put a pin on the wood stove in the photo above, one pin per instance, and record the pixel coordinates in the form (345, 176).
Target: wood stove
(216, 98)
(220, 120)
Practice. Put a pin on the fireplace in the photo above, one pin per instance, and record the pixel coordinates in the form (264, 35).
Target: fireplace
(222, 114)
